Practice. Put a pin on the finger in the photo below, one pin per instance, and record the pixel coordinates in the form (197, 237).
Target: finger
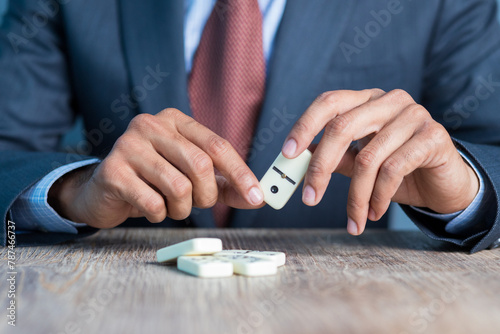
(369, 161)
(142, 197)
(196, 164)
(401, 163)
(178, 151)
(326, 107)
(173, 184)
(225, 159)
(340, 132)
(230, 197)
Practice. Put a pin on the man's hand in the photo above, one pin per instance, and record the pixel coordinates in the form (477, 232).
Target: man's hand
(163, 165)
(402, 154)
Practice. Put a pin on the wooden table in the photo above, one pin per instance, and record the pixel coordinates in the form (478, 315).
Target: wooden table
(381, 282)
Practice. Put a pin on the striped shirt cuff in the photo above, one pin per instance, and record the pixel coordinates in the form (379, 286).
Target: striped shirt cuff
(32, 212)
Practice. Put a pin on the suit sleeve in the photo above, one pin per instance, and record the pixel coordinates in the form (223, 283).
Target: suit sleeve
(462, 81)
(35, 103)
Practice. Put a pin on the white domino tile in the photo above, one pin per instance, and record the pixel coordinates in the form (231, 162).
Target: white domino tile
(251, 266)
(205, 266)
(204, 257)
(197, 246)
(277, 257)
(283, 177)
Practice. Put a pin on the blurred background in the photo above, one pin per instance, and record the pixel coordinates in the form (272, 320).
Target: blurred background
(397, 221)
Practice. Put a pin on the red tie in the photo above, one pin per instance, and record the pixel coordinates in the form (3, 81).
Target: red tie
(227, 82)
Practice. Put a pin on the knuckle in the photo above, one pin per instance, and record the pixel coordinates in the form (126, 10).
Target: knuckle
(127, 143)
(399, 96)
(111, 173)
(391, 167)
(181, 213)
(202, 164)
(317, 168)
(135, 198)
(377, 197)
(437, 133)
(382, 139)
(413, 154)
(181, 187)
(155, 206)
(338, 125)
(218, 146)
(417, 112)
(171, 112)
(142, 122)
(434, 136)
(137, 120)
(171, 116)
(376, 92)
(354, 204)
(212, 201)
(330, 98)
(162, 169)
(367, 158)
(242, 174)
(206, 202)
(304, 125)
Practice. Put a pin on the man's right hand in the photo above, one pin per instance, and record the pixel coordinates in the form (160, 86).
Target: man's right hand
(163, 165)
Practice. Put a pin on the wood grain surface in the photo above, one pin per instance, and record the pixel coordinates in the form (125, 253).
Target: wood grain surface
(381, 282)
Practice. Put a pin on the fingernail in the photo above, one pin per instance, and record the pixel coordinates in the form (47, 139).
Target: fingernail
(289, 148)
(256, 196)
(309, 195)
(352, 227)
(371, 214)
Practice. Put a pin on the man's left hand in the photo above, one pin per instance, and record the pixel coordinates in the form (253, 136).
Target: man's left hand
(389, 146)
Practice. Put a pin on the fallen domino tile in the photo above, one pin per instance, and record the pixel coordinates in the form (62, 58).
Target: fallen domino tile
(251, 266)
(277, 257)
(197, 246)
(205, 266)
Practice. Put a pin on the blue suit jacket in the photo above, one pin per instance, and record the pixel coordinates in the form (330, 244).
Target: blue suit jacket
(89, 56)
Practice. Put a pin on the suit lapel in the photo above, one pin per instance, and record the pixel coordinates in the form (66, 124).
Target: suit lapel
(306, 40)
(153, 43)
